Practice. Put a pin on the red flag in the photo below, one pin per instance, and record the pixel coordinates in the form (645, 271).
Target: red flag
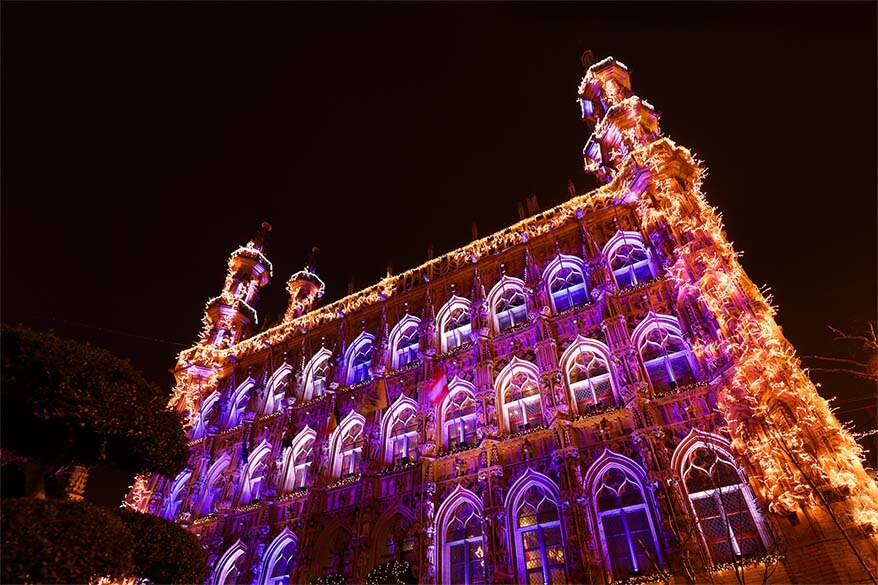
(332, 421)
(437, 387)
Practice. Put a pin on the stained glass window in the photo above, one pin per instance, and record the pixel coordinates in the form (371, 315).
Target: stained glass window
(466, 553)
(539, 534)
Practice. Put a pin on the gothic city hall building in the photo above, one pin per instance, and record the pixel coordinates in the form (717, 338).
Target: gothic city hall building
(595, 394)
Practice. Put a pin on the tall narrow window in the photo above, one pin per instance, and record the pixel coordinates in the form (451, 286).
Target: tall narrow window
(521, 401)
(629, 259)
(456, 327)
(625, 524)
(403, 437)
(174, 501)
(359, 360)
(315, 375)
(238, 402)
(510, 309)
(722, 508)
(276, 389)
(463, 541)
(666, 355)
(350, 451)
(566, 280)
(336, 553)
(302, 464)
(589, 379)
(459, 418)
(538, 529)
(279, 561)
(229, 569)
(395, 540)
(406, 346)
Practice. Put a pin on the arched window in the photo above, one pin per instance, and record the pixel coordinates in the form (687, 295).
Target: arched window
(394, 540)
(202, 419)
(461, 549)
(455, 328)
(624, 516)
(347, 441)
(359, 359)
(334, 552)
(508, 304)
(238, 402)
(404, 340)
(315, 375)
(459, 417)
(723, 506)
(213, 486)
(666, 355)
(565, 278)
(297, 461)
(176, 495)
(401, 432)
(538, 539)
(230, 566)
(519, 391)
(275, 389)
(586, 366)
(629, 259)
(254, 474)
(279, 559)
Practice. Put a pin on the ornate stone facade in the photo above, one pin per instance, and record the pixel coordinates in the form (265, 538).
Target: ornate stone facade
(596, 394)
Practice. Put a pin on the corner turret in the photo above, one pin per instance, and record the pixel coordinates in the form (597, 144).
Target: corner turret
(229, 317)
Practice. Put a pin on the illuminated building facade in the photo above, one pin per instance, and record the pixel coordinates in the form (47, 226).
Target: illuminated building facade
(596, 394)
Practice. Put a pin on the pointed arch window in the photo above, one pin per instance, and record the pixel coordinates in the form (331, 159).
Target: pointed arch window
(349, 447)
(395, 540)
(254, 474)
(454, 323)
(566, 280)
(459, 417)
(276, 389)
(230, 568)
(666, 355)
(508, 304)
(464, 550)
(297, 461)
(588, 376)
(402, 433)
(360, 360)
(629, 259)
(522, 405)
(724, 509)
(538, 533)
(238, 402)
(625, 524)
(174, 501)
(279, 563)
(213, 485)
(315, 375)
(337, 553)
(404, 342)
(203, 418)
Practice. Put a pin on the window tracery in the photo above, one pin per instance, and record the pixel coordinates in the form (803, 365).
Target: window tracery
(586, 366)
(565, 277)
(455, 328)
(508, 304)
(405, 339)
(624, 515)
(629, 259)
(520, 396)
(359, 359)
(666, 355)
(459, 417)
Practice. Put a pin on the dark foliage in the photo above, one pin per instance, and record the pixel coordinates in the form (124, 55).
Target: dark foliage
(163, 551)
(63, 401)
(61, 541)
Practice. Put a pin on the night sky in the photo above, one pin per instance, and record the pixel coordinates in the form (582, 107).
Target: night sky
(142, 143)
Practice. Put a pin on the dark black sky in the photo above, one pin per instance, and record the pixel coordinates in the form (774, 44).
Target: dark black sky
(141, 143)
